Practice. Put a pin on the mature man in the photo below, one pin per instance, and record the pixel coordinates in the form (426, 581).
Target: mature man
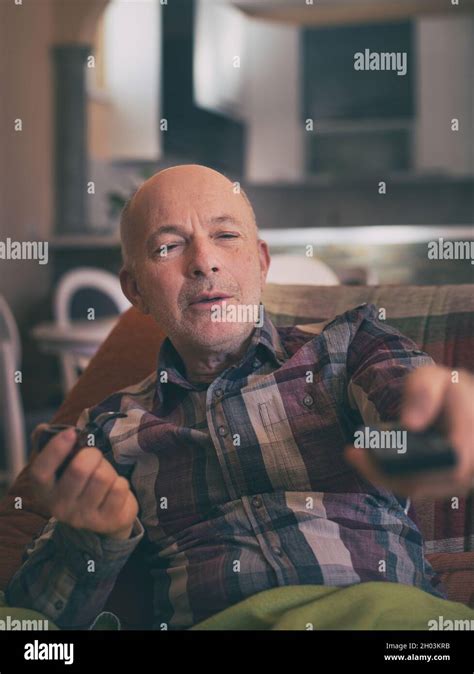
(230, 457)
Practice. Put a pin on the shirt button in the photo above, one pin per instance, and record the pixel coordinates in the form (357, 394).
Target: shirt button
(218, 393)
(222, 430)
(277, 550)
(308, 400)
(257, 502)
(256, 362)
(59, 604)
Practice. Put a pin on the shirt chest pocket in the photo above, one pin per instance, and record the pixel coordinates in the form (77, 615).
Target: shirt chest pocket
(273, 421)
(267, 415)
(271, 434)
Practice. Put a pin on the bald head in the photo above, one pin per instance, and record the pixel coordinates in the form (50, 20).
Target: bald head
(182, 189)
(189, 231)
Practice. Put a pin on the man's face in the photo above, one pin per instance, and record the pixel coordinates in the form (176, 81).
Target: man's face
(195, 236)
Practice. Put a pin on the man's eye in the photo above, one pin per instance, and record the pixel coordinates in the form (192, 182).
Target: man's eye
(165, 247)
(232, 236)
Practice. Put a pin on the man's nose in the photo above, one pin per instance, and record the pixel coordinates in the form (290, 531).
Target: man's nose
(202, 258)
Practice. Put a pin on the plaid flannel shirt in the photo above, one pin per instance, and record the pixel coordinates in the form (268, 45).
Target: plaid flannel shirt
(241, 483)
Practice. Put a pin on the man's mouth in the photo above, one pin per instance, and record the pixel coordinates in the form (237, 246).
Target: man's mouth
(205, 299)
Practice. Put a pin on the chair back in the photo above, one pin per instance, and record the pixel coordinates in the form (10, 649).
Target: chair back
(71, 283)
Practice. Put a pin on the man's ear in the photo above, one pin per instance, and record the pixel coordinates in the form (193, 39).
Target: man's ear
(264, 256)
(131, 290)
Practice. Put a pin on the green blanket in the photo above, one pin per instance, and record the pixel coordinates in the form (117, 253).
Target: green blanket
(367, 606)
(12, 618)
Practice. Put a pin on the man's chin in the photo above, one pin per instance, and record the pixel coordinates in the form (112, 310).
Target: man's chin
(207, 332)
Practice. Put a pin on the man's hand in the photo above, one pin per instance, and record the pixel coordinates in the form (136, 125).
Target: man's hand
(89, 495)
(430, 395)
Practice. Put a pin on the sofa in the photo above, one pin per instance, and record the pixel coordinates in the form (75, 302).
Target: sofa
(439, 318)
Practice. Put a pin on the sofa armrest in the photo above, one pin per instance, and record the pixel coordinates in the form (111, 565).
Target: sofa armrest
(456, 570)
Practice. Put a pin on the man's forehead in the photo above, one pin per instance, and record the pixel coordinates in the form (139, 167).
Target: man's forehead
(164, 205)
(178, 195)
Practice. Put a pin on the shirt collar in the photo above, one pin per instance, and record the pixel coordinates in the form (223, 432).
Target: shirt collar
(265, 343)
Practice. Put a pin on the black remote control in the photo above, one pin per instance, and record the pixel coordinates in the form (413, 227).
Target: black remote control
(398, 451)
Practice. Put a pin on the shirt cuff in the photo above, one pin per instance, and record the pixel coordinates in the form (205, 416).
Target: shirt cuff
(80, 547)
(110, 544)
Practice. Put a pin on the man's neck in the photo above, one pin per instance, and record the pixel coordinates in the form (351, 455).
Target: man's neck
(204, 367)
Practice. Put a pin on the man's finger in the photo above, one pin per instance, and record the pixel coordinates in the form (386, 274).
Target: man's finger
(460, 412)
(424, 393)
(48, 461)
(360, 460)
(35, 434)
(78, 473)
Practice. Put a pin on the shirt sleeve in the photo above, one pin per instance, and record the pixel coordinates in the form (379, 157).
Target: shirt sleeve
(67, 573)
(378, 361)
